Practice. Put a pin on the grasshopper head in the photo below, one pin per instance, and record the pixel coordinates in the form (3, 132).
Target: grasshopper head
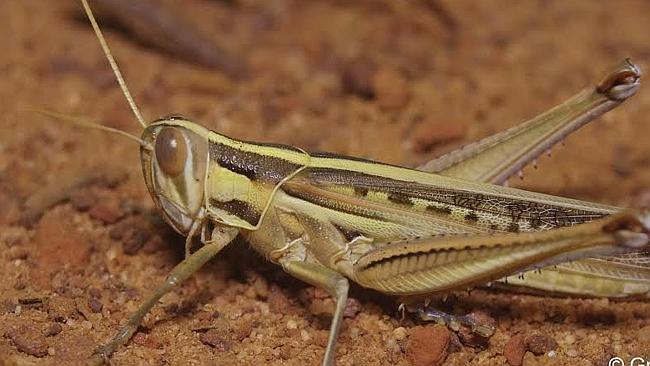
(174, 169)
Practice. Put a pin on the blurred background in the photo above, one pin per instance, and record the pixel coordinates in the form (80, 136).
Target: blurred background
(394, 81)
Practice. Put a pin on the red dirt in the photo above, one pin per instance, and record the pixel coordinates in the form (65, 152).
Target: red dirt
(364, 78)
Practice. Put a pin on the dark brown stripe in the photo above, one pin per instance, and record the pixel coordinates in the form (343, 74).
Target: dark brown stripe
(238, 208)
(517, 210)
(400, 198)
(257, 167)
(227, 162)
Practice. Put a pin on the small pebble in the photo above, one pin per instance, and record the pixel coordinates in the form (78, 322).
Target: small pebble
(28, 339)
(146, 340)
(322, 306)
(291, 324)
(569, 339)
(264, 308)
(95, 305)
(514, 350)
(400, 333)
(540, 344)
(139, 338)
(304, 335)
(352, 308)
(214, 339)
(53, 329)
(243, 330)
(644, 334)
(571, 352)
(428, 346)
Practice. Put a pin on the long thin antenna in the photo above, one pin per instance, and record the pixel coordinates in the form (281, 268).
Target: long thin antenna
(86, 124)
(111, 60)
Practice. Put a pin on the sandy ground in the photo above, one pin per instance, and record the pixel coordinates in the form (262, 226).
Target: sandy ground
(397, 83)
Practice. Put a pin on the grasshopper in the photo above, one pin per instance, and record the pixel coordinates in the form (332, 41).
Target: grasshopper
(448, 225)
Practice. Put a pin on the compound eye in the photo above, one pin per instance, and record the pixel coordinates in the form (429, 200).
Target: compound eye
(171, 151)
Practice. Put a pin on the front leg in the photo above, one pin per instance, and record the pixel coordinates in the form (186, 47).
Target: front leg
(220, 238)
(331, 281)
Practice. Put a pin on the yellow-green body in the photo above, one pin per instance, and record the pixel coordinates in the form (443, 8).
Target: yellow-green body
(278, 195)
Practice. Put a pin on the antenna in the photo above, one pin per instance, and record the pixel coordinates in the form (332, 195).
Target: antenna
(111, 60)
(82, 123)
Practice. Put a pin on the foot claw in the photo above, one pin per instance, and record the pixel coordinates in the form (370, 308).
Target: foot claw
(97, 359)
(484, 330)
(101, 356)
(481, 328)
